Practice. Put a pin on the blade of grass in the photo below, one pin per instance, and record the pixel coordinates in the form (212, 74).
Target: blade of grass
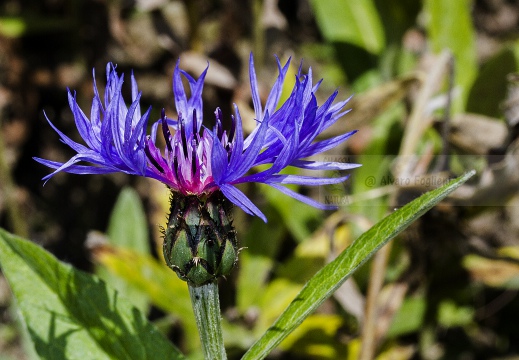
(326, 281)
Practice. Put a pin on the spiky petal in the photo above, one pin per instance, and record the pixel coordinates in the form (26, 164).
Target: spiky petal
(197, 161)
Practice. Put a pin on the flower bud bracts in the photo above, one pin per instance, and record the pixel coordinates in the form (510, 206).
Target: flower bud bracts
(200, 242)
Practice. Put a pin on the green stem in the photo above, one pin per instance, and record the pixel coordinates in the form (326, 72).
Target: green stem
(206, 306)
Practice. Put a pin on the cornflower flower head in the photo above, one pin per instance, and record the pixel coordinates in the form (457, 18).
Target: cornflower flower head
(202, 166)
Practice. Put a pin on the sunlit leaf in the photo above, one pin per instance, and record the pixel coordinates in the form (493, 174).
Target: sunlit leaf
(333, 275)
(158, 282)
(285, 205)
(253, 273)
(13, 26)
(128, 229)
(450, 314)
(355, 22)
(310, 255)
(276, 297)
(257, 259)
(316, 338)
(73, 315)
(397, 352)
(445, 18)
(509, 251)
(409, 317)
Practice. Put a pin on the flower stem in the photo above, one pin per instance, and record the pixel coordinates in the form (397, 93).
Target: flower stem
(206, 306)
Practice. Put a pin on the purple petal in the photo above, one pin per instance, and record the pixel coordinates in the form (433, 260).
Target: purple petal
(323, 165)
(218, 159)
(74, 145)
(250, 155)
(305, 180)
(277, 89)
(303, 198)
(93, 158)
(82, 124)
(239, 199)
(237, 149)
(135, 94)
(74, 169)
(324, 145)
(179, 92)
(116, 122)
(254, 90)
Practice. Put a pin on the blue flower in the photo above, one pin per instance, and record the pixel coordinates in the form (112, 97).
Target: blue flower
(197, 160)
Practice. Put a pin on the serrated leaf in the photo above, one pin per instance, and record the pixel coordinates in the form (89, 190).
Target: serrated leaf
(333, 275)
(356, 22)
(74, 315)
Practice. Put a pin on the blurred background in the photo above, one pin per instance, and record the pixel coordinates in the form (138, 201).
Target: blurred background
(435, 94)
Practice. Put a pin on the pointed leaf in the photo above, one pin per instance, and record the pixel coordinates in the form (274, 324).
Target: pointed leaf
(447, 17)
(128, 229)
(355, 22)
(73, 315)
(333, 275)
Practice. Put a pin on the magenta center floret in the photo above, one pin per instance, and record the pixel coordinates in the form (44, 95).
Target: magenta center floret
(185, 165)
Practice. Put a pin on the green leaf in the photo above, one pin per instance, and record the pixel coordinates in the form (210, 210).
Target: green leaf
(257, 258)
(449, 27)
(73, 315)
(128, 229)
(157, 281)
(409, 317)
(317, 337)
(306, 215)
(276, 297)
(14, 27)
(451, 315)
(333, 275)
(254, 271)
(356, 22)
